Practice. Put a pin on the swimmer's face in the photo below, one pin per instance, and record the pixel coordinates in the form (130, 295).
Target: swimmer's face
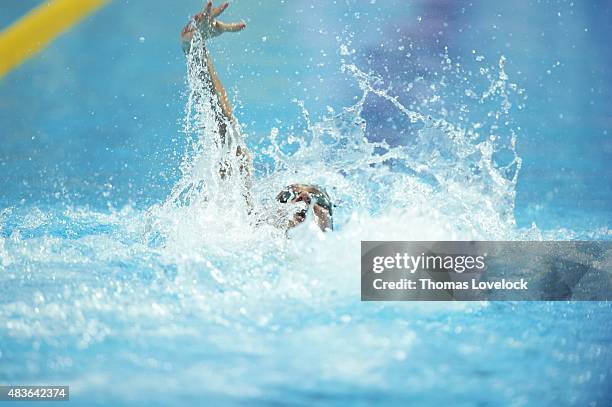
(310, 196)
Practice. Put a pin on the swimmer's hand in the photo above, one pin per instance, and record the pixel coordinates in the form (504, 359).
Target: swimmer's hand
(207, 24)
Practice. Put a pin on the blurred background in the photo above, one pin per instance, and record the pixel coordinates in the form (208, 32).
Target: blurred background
(95, 118)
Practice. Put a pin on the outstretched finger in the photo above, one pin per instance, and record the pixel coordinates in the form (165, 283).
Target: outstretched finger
(218, 10)
(208, 8)
(230, 26)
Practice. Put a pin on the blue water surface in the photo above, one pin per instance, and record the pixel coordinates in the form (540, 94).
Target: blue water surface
(93, 137)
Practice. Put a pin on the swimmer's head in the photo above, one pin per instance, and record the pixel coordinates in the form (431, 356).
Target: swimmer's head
(311, 196)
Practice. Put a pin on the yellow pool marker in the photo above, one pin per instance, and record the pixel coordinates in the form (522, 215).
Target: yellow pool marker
(39, 27)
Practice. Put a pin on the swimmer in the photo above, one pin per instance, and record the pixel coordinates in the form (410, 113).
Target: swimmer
(304, 198)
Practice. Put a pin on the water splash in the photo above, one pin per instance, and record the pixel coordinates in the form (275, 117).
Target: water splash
(208, 296)
(443, 183)
(445, 171)
(209, 199)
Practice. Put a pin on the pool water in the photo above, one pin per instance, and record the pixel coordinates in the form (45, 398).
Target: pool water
(132, 272)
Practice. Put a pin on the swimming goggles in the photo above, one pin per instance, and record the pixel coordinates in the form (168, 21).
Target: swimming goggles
(318, 198)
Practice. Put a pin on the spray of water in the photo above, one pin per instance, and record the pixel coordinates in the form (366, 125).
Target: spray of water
(209, 284)
(445, 178)
(210, 196)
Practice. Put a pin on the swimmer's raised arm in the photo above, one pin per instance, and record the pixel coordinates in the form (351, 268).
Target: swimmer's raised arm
(302, 197)
(209, 27)
(206, 23)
